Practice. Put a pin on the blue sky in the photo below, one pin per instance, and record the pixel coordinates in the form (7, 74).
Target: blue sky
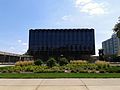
(18, 16)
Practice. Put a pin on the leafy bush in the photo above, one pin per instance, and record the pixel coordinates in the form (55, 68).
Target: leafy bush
(4, 69)
(24, 63)
(102, 71)
(38, 62)
(22, 69)
(73, 66)
(81, 66)
(51, 62)
(63, 61)
(78, 62)
(114, 69)
(102, 64)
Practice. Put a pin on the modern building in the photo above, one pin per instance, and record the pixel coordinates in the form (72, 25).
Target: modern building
(111, 46)
(72, 43)
(10, 58)
(6, 57)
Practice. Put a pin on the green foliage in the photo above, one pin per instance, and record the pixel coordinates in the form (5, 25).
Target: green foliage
(57, 69)
(81, 67)
(114, 69)
(78, 62)
(102, 64)
(63, 61)
(39, 69)
(72, 67)
(38, 62)
(117, 28)
(24, 63)
(51, 62)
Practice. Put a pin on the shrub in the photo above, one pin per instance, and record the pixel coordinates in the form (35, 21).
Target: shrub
(63, 61)
(102, 71)
(24, 63)
(39, 69)
(51, 62)
(38, 62)
(17, 69)
(102, 64)
(78, 62)
(91, 66)
(114, 69)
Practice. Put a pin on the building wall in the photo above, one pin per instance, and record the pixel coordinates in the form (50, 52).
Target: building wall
(111, 46)
(6, 57)
(61, 41)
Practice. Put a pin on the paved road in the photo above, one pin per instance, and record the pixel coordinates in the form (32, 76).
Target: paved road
(59, 84)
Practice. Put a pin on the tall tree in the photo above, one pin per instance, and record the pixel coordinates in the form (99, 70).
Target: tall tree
(116, 28)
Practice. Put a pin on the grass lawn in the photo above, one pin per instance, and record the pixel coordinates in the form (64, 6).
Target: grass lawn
(60, 75)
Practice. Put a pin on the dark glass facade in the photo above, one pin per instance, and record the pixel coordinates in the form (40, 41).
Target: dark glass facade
(74, 43)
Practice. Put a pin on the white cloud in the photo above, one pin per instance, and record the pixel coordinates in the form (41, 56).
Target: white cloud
(19, 41)
(82, 2)
(67, 18)
(24, 44)
(90, 7)
(12, 48)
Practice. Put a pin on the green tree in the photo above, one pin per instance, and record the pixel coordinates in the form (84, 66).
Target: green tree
(63, 61)
(116, 28)
(38, 62)
(51, 62)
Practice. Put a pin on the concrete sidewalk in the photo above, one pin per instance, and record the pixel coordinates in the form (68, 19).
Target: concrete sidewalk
(59, 84)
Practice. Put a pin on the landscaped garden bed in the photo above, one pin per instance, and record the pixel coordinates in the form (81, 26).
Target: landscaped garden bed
(60, 69)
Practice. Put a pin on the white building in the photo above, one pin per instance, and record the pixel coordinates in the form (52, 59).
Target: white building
(111, 46)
